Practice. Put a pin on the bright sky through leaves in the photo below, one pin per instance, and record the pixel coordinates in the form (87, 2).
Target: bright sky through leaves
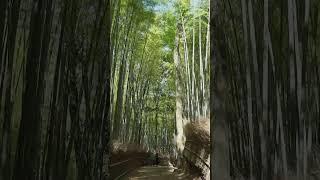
(165, 6)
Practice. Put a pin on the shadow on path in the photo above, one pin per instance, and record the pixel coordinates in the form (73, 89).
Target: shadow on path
(157, 173)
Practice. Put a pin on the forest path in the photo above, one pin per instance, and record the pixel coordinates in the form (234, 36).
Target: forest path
(156, 173)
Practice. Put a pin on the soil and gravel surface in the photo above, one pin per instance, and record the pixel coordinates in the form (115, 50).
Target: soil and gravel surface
(157, 173)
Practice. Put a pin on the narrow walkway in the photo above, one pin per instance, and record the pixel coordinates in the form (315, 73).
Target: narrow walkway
(156, 173)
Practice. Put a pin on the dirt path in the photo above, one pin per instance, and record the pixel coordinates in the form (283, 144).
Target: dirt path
(156, 173)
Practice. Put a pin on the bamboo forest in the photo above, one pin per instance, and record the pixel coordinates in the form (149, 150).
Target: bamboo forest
(159, 89)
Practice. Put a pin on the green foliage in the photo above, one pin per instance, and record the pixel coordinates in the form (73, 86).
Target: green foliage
(149, 97)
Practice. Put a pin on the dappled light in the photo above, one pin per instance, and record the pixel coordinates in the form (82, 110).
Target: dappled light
(96, 89)
(159, 89)
(160, 86)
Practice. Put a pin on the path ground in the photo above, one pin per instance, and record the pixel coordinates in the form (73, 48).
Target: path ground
(156, 173)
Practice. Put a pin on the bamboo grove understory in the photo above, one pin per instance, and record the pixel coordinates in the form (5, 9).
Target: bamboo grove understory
(54, 81)
(78, 76)
(161, 61)
(266, 72)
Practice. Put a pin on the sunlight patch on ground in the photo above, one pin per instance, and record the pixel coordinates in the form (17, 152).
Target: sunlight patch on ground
(156, 173)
